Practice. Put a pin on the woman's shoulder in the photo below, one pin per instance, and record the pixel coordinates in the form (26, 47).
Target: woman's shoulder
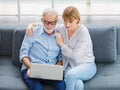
(83, 31)
(83, 28)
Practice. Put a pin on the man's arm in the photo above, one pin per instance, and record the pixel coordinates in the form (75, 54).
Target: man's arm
(24, 50)
(26, 44)
(26, 62)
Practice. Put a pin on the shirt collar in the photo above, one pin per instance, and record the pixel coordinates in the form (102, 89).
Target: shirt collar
(43, 32)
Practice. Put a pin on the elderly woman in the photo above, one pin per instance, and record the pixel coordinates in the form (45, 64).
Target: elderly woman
(77, 50)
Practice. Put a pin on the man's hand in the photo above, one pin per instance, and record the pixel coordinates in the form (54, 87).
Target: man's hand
(59, 63)
(26, 62)
(28, 72)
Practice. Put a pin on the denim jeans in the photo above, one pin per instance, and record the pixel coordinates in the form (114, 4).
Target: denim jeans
(35, 84)
(75, 76)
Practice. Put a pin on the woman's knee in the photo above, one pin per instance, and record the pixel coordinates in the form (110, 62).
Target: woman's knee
(70, 75)
(79, 85)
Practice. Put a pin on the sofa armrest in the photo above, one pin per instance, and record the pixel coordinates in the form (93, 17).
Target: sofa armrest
(18, 36)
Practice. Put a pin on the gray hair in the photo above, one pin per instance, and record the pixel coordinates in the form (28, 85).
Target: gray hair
(50, 11)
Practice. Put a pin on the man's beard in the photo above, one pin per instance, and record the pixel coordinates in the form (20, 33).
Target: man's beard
(48, 31)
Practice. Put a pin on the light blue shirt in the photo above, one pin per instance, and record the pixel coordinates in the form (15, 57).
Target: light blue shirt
(40, 48)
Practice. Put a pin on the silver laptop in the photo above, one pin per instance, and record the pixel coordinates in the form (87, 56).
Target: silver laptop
(46, 71)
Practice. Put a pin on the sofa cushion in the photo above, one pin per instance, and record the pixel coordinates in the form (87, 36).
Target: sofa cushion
(104, 43)
(18, 36)
(0, 38)
(118, 39)
(10, 75)
(107, 77)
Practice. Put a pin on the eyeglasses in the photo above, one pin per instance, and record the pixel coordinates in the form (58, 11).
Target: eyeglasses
(52, 22)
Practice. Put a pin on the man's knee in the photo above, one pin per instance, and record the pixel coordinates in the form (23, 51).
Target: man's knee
(33, 84)
(60, 85)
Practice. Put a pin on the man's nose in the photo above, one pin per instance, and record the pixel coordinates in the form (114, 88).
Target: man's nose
(50, 25)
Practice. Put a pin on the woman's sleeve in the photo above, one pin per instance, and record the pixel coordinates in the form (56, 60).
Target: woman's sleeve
(83, 43)
(76, 52)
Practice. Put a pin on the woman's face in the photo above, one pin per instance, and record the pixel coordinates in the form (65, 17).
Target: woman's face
(71, 24)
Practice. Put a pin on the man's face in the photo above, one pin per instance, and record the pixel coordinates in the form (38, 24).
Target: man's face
(49, 22)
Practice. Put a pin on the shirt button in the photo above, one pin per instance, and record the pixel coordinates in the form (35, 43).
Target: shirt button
(48, 61)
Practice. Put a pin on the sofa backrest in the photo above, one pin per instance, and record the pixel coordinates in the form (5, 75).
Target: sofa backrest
(18, 36)
(104, 42)
(103, 38)
(6, 37)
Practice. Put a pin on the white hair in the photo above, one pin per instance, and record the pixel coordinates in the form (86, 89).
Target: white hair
(50, 11)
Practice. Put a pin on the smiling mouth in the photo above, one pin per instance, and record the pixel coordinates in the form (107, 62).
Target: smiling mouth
(50, 28)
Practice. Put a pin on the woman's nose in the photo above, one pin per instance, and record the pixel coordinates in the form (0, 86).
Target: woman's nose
(67, 24)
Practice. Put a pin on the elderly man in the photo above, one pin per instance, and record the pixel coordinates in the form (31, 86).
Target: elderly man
(41, 48)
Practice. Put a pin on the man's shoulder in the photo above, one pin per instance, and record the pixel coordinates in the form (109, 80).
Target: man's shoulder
(38, 29)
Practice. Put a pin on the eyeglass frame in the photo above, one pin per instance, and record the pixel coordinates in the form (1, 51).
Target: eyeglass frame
(48, 22)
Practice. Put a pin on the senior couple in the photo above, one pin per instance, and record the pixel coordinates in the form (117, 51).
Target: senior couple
(69, 45)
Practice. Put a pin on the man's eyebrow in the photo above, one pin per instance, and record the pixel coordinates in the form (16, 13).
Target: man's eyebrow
(50, 21)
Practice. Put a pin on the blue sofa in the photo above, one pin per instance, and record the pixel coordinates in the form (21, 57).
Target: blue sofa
(106, 46)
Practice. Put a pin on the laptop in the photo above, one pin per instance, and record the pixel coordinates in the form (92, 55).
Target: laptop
(46, 71)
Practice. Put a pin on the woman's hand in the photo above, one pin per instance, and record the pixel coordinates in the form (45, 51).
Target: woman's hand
(59, 39)
(30, 29)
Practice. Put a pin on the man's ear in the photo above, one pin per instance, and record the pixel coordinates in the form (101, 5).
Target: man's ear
(41, 19)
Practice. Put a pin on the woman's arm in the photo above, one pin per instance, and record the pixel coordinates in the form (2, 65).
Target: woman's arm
(73, 53)
(30, 28)
(76, 52)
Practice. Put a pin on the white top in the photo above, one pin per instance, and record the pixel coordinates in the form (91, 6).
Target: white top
(78, 49)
